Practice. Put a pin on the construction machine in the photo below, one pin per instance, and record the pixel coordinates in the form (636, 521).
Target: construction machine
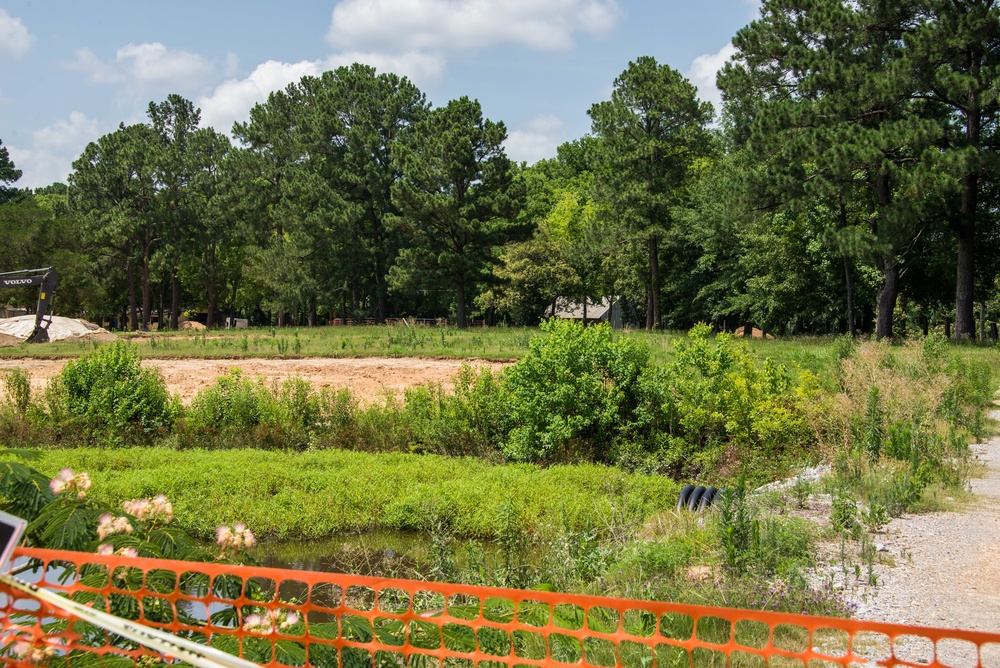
(47, 279)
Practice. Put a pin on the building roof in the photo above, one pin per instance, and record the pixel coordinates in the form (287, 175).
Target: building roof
(569, 309)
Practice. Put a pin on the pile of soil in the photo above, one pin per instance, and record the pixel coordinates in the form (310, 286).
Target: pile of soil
(191, 325)
(7, 340)
(754, 333)
(16, 330)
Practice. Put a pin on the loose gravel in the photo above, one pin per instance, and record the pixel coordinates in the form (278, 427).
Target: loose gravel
(947, 565)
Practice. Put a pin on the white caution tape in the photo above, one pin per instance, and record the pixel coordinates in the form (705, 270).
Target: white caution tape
(161, 641)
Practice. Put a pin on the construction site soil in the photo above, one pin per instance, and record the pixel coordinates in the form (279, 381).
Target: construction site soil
(370, 379)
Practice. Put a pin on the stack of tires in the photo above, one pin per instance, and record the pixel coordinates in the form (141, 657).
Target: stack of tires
(697, 498)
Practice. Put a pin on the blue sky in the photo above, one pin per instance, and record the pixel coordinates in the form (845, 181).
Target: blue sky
(71, 71)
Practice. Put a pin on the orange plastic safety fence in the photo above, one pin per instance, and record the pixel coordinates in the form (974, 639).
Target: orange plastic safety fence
(294, 618)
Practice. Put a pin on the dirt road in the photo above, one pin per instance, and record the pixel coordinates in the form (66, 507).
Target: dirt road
(368, 378)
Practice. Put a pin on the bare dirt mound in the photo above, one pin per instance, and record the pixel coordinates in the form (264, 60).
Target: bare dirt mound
(62, 329)
(369, 379)
(192, 325)
(7, 340)
(754, 333)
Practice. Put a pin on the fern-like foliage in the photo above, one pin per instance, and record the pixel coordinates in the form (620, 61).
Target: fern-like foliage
(66, 525)
(24, 492)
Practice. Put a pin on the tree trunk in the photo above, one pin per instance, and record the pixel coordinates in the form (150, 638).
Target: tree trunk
(210, 286)
(175, 300)
(926, 326)
(848, 281)
(947, 328)
(460, 297)
(982, 321)
(585, 310)
(653, 312)
(147, 297)
(212, 303)
(887, 297)
(965, 230)
(159, 309)
(849, 286)
(232, 303)
(994, 333)
(281, 317)
(133, 316)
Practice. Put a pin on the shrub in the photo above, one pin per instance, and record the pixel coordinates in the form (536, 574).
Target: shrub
(239, 410)
(572, 391)
(715, 397)
(110, 393)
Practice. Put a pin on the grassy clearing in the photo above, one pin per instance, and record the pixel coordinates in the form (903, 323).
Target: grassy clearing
(370, 341)
(318, 494)
(817, 354)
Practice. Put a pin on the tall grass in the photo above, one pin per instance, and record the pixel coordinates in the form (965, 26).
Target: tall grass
(317, 494)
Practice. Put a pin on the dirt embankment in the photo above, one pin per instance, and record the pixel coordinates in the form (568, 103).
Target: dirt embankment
(370, 379)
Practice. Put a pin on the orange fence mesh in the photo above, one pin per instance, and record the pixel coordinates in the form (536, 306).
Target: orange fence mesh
(294, 618)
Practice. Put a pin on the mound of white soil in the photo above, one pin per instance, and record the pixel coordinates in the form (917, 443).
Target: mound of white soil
(16, 330)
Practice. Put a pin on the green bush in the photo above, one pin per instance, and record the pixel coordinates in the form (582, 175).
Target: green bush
(571, 393)
(716, 398)
(239, 410)
(110, 394)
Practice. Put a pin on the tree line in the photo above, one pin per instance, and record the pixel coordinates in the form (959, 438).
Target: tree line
(848, 185)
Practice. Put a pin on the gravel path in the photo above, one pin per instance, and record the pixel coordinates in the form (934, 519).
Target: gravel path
(947, 565)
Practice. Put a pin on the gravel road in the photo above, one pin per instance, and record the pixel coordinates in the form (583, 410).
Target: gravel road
(947, 565)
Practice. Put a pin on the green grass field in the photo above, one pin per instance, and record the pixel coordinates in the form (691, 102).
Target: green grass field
(809, 352)
(318, 494)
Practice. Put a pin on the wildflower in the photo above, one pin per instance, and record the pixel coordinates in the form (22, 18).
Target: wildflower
(157, 510)
(291, 619)
(26, 651)
(257, 623)
(105, 549)
(129, 552)
(236, 538)
(67, 481)
(270, 621)
(108, 525)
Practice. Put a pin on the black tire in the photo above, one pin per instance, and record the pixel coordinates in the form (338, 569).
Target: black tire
(695, 497)
(707, 498)
(683, 498)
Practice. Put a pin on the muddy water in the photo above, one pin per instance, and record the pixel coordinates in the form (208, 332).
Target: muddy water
(382, 554)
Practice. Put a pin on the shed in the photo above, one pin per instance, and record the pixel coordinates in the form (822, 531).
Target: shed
(603, 310)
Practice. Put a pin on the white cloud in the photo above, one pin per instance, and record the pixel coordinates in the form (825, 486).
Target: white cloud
(231, 100)
(446, 25)
(702, 74)
(147, 65)
(15, 39)
(538, 139)
(53, 149)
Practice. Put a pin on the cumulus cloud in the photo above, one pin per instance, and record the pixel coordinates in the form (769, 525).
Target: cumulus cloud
(147, 65)
(232, 100)
(536, 140)
(446, 25)
(53, 149)
(15, 39)
(702, 74)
